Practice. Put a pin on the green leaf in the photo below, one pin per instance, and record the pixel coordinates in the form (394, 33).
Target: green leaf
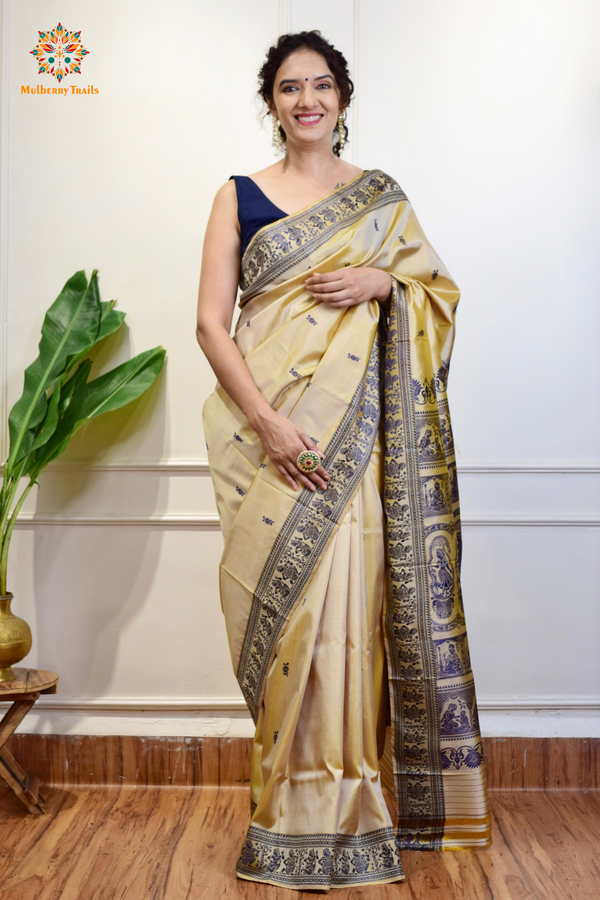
(110, 322)
(70, 325)
(110, 391)
(46, 454)
(50, 422)
(117, 387)
(111, 319)
(74, 383)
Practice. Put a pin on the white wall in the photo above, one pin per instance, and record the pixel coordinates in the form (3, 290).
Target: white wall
(487, 116)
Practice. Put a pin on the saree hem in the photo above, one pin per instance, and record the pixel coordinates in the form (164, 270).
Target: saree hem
(314, 861)
(319, 887)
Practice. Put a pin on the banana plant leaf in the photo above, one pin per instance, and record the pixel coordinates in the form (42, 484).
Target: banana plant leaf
(110, 391)
(50, 420)
(111, 319)
(71, 326)
(73, 384)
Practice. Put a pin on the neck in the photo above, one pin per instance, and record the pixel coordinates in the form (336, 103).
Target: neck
(316, 162)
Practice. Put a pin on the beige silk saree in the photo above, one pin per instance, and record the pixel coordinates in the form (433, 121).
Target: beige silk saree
(343, 607)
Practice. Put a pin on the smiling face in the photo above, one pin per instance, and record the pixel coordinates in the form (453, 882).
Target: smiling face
(305, 98)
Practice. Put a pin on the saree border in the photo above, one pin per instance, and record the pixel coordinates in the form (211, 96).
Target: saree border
(416, 763)
(307, 530)
(271, 251)
(343, 860)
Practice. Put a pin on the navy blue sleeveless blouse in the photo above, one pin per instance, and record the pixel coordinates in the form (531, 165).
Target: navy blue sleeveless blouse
(254, 208)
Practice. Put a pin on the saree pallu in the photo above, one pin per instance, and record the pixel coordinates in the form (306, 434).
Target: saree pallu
(343, 607)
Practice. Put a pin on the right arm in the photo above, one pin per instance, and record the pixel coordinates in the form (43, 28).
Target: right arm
(280, 438)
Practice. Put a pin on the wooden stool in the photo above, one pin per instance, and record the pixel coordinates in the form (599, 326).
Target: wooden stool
(23, 690)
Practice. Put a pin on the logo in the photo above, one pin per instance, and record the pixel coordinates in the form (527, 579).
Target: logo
(59, 52)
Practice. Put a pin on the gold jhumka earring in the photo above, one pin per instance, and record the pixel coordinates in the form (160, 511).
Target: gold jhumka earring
(340, 128)
(277, 142)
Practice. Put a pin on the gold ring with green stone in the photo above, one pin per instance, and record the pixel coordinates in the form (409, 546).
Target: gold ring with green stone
(308, 461)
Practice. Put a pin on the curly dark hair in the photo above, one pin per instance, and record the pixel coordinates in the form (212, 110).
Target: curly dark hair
(310, 40)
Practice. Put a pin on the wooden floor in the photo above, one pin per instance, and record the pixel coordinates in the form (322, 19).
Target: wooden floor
(181, 843)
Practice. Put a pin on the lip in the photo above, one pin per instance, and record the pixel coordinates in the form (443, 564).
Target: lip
(315, 121)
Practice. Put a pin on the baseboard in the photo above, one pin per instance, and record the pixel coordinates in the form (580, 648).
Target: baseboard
(574, 716)
(65, 760)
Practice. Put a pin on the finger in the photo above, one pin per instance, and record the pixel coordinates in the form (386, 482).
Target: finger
(336, 296)
(325, 276)
(320, 476)
(303, 480)
(319, 479)
(326, 287)
(286, 475)
(313, 480)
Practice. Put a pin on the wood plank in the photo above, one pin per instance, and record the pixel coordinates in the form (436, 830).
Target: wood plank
(512, 763)
(542, 763)
(182, 842)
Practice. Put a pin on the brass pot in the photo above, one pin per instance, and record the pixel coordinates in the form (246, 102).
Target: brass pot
(15, 638)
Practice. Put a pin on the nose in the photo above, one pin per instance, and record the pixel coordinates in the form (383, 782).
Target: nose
(308, 97)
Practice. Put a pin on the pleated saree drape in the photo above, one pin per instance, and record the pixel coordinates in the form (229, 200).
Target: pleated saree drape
(343, 608)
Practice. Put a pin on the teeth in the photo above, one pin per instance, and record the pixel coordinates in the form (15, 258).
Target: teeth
(309, 118)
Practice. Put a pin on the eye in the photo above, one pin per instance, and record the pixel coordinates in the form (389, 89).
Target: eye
(325, 84)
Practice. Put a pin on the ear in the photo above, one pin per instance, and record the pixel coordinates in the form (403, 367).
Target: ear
(272, 109)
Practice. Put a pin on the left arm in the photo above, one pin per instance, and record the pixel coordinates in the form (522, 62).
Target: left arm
(350, 286)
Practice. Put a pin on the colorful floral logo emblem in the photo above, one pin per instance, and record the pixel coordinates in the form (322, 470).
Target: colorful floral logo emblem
(59, 52)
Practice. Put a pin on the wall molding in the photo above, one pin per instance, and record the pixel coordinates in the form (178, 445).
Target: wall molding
(169, 520)
(285, 16)
(591, 467)
(531, 704)
(165, 521)
(162, 466)
(530, 521)
(198, 466)
(226, 705)
(359, 28)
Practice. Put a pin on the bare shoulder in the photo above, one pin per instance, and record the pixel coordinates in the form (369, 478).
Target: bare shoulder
(226, 196)
(349, 171)
(224, 209)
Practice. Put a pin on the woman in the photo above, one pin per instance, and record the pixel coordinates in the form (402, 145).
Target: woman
(331, 452)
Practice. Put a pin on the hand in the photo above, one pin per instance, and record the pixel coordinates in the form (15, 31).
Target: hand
(282, 442)
(350, 286)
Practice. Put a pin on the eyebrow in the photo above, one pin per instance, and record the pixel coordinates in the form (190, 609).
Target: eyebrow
(296, 80)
